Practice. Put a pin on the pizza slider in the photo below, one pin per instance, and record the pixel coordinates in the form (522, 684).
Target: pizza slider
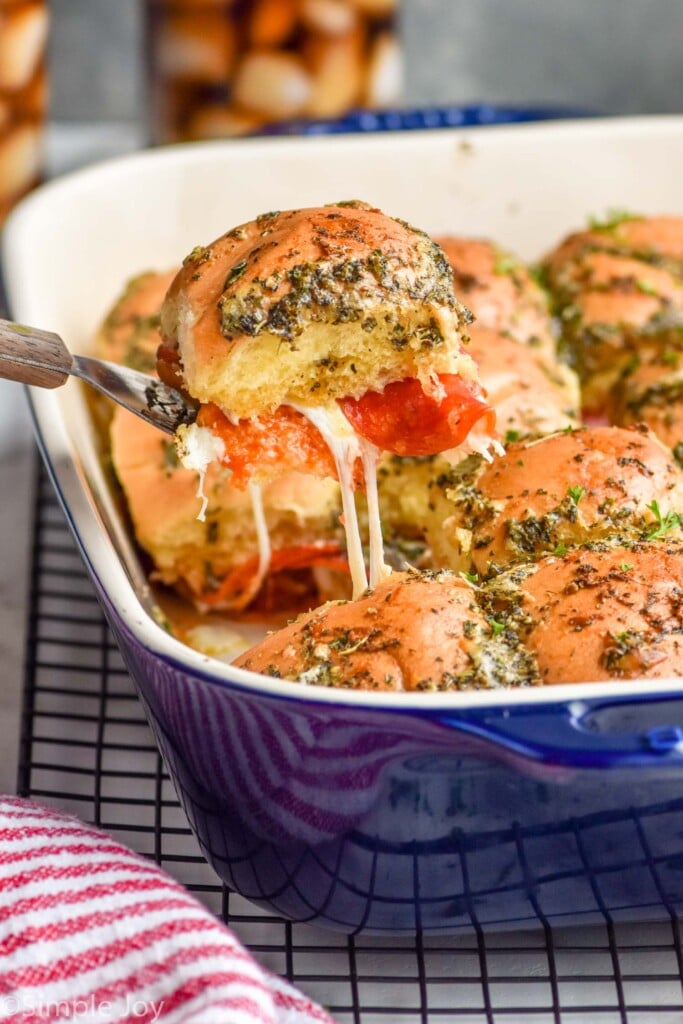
(595, 615)
(414, 631)
(218, 563)
(129, 334)
(618, 289)
(500, 291)
(650, 391)
(314, 339)
(546, 496)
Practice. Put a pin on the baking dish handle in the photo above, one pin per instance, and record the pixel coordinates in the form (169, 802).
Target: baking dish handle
(580, 734)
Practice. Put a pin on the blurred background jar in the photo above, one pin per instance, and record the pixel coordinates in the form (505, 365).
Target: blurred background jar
(229, 67)
(23, 96)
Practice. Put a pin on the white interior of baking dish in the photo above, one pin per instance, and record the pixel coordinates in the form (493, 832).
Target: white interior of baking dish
(70, 246)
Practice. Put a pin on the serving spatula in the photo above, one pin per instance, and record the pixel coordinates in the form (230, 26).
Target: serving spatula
(32, 356)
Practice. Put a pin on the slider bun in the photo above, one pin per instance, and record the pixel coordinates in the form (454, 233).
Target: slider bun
(412, 632)
(600, 615)
(499, 290)
(606, 271)
(651, 392)
(129, 333)
(531, 393)
(163, 505)
(614, 304)
(654, 239)
(520, 507)
(307, 306)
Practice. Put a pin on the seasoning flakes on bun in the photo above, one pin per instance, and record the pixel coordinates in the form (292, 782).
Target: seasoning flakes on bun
(545, 496)
(413, 632)
(617, 287)
(500, 291)
(605, 614)
(313, 340)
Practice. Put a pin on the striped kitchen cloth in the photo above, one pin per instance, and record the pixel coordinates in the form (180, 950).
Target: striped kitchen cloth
(92, 933)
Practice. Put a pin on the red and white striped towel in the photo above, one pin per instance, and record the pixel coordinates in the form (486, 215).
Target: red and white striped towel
(92, 933)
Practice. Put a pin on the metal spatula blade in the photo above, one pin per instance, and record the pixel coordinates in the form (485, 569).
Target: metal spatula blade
(32, 356)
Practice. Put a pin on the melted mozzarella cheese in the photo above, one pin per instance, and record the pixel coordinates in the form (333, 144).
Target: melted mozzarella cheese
(370, 455)
(197, 448)
(263, 537)
(344, 444)
(476, 443)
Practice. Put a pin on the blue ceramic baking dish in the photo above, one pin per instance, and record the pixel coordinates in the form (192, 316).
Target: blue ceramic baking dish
(365, 811)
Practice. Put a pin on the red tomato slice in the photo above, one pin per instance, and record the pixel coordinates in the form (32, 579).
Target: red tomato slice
(404, 420)
(271, 445)
(235, 586)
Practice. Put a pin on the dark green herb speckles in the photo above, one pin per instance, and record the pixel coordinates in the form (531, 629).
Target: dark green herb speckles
(200, 254)
(169, 456)
(497, 660)
(242, 314)
(661, 394)
(378, 265)
(429, 335)
(621, 654)
(336, 293)
(235, 273)
(264, 218)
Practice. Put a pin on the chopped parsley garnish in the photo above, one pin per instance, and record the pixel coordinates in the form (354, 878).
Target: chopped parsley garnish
(612, 219)
(496, 627)
(626, 566)
(646, 287)
(576, 493)
(511, 436)
(665, 523)
(504, 264)
(471, 577)
(560, 549)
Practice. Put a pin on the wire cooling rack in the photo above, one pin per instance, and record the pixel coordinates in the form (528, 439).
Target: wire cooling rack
(86, 748)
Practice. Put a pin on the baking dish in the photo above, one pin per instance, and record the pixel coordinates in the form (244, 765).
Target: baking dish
(364, 810)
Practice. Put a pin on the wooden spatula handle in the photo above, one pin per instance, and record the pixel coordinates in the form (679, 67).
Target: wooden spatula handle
(31, 356)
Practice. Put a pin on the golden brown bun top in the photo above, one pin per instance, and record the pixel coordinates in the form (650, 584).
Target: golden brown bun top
(651, 392)
(653, 239)
(499, 290)
(271, 285)
(562, 490)
(608, 288)
(130, 333)
(531, 393)
(653, 236)
(600, 615)
(412, 632)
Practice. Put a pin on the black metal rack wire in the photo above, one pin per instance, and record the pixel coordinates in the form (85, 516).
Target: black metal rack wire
(86, 748)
